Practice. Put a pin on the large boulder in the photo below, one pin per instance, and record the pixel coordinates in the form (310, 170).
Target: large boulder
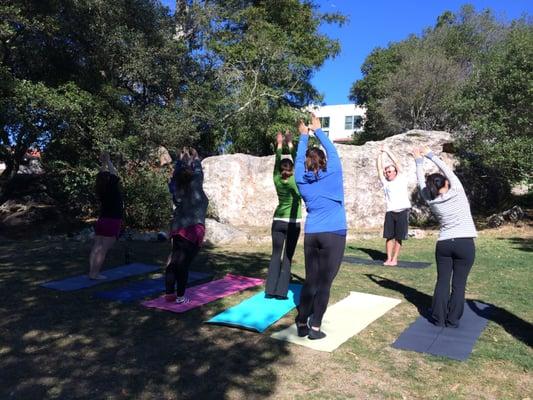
(241, 191)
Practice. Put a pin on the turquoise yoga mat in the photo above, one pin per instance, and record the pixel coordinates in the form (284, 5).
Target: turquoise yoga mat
(258, 312)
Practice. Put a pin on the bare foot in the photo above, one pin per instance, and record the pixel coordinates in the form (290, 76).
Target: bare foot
(98, 277)
(387, 262)
(393, 263)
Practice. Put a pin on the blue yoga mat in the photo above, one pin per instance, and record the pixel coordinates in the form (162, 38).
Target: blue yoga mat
(139, 290)
(113, 274)
(456, 343)
(258, 312)
(401, 264)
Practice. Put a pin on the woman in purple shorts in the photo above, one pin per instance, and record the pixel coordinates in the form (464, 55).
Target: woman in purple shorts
(108, 226)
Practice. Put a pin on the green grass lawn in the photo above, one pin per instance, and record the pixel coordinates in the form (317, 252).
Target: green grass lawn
(71, 345)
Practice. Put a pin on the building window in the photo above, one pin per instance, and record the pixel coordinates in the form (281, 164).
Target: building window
(324, 121)
(352, 122)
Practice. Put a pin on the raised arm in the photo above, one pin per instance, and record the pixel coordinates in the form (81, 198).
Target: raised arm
(392, 156)
(455, 183)
(107, 164)
(196, 165)
(299, 161)
(277, 163)
(419, 159)
(334, 162)
(379, 165)
(288, 140)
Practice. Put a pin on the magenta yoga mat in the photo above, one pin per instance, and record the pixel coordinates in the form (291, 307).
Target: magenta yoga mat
(206, 293)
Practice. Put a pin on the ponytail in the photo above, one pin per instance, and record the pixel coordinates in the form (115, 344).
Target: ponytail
(434, 183)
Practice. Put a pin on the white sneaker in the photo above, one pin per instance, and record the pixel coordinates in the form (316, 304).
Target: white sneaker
(182, 300)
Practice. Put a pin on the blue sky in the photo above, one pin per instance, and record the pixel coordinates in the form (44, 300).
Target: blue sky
(375, 23)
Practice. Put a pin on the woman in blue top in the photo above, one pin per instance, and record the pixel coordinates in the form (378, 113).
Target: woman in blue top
(321, 187)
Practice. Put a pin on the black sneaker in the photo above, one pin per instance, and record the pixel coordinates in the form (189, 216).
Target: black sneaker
(315, 335)
(303, 330)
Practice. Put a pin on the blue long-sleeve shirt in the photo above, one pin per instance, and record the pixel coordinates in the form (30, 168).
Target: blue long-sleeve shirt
(323, 193)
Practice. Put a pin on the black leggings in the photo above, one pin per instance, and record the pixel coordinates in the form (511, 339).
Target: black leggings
(279, 272)
(177, 271)
(323, 257)
(455, 258)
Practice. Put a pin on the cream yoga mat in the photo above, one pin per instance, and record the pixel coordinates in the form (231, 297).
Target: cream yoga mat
(343, 320)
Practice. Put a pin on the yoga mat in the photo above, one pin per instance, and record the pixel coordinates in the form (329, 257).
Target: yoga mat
(113, 274)
(401, 264)
(455, 343)
(258, 312)
(342, 320)
(206, 293)
(139, 290)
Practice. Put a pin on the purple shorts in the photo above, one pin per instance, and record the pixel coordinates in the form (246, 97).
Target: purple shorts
(109, 227)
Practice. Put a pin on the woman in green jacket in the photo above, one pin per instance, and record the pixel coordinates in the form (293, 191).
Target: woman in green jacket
(286, 223)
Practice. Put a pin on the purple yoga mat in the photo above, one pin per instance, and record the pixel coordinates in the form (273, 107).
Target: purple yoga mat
(206, 293)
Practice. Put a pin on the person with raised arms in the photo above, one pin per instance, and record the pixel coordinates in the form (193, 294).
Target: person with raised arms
(188, 222)
(396, 222)
(320, 183)
(455, 250)
(286, 222)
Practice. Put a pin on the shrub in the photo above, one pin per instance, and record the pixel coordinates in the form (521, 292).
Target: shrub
(147, 202)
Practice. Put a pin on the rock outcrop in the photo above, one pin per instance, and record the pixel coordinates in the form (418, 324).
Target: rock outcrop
(241, 191)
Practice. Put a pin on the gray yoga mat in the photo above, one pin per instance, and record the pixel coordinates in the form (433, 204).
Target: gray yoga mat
(455, 343)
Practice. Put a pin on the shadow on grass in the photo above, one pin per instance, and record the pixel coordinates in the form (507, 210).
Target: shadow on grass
(420, 300)
(374, 254)
(70, 345)
(524, 244)
(515, 326)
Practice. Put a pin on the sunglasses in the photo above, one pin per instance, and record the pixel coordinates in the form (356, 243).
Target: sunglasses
(390, 171)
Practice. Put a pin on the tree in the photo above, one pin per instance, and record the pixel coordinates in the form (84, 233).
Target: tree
(496, 107)
(259, 56)
(471, 75)
(79, 77)
(420, 91)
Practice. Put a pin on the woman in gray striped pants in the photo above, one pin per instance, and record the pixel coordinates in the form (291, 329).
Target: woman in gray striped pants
(455, 249)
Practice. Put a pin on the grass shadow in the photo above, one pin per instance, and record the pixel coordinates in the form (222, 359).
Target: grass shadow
(71, 345)
(374, 254)
(524, 244)
(419, 299)
(515, 326)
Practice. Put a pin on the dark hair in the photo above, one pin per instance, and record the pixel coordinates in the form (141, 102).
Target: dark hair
(315, 160)
(102, 184)
(286, 168)
(183, 177)
(434, 183)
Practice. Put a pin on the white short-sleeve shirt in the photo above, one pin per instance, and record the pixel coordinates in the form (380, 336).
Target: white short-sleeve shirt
(396, 194)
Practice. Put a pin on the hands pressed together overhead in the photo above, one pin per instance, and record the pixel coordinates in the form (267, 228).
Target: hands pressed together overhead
(188, 155)
(419, 152)
(313, 126)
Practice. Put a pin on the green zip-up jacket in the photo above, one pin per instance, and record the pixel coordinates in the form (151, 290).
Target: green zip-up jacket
(289, 200)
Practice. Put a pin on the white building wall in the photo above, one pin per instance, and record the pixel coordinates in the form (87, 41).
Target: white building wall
(337, 117)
